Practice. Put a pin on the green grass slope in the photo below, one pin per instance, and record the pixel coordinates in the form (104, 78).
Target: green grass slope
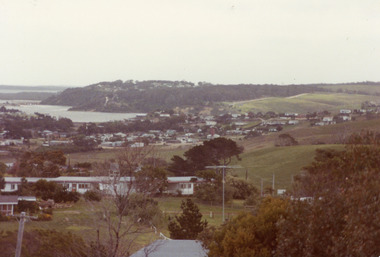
(312, 102)
(283, 162)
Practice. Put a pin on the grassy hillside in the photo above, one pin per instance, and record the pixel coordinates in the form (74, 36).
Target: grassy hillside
(263, 159)
(284, 162)
(312, 102)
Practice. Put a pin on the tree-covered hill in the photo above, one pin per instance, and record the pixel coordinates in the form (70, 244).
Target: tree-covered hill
(145, 96)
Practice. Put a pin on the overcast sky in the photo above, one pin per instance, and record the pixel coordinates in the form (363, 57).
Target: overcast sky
(79, 42)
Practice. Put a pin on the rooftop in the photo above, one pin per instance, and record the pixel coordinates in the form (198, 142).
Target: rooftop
(172, 248)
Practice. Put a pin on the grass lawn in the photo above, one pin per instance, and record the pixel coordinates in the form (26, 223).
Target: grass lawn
(84, 218)
(212, 213)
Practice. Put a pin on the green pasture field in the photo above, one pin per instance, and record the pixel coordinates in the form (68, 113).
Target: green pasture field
(212, 213)
(313, 102)
(111, 154)
(283, 162)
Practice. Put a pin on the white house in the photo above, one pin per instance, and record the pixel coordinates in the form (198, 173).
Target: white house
(293, 122)
(183, 185)
(106, 184)
(210, 123)
(345, 111)
(327, 119)
(137, 145)
(213, 136)
(240, 123)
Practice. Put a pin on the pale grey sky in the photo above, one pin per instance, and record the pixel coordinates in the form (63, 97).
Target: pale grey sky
(79, 42)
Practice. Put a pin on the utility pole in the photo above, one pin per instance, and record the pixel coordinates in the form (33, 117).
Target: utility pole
(20, 234)
(223, 192)
(223, 181)
(273, 184)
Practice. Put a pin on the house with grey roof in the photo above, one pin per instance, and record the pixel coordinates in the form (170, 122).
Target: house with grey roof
(172, 248)
(8, 203)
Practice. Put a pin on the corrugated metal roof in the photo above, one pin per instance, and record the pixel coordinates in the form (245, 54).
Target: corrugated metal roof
(172, 248)
(68, 179)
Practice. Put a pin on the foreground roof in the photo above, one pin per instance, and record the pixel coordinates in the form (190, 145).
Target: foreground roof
(172, 248)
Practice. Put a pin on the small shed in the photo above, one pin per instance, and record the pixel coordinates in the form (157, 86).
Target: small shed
(7, 204)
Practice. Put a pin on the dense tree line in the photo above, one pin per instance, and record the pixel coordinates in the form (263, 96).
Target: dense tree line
(39, 164)
(20, 126)
(148, 96)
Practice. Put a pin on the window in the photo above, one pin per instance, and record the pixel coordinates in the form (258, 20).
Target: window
(84, 186)
(187, 185)
(13, 186)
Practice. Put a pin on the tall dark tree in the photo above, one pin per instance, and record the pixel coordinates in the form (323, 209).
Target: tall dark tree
(219, 151)
(189, 224)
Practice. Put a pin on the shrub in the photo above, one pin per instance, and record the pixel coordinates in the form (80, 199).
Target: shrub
(285, 140)
(4, 218)
(48, 211)
(241, 188)
(92, 196)
(62, 195)
(44, 217)
(27, 206)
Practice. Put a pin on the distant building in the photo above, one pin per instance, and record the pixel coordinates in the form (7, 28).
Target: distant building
(328, 119)
(345, 111)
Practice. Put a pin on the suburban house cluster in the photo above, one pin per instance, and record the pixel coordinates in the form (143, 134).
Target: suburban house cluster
(197, 127)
